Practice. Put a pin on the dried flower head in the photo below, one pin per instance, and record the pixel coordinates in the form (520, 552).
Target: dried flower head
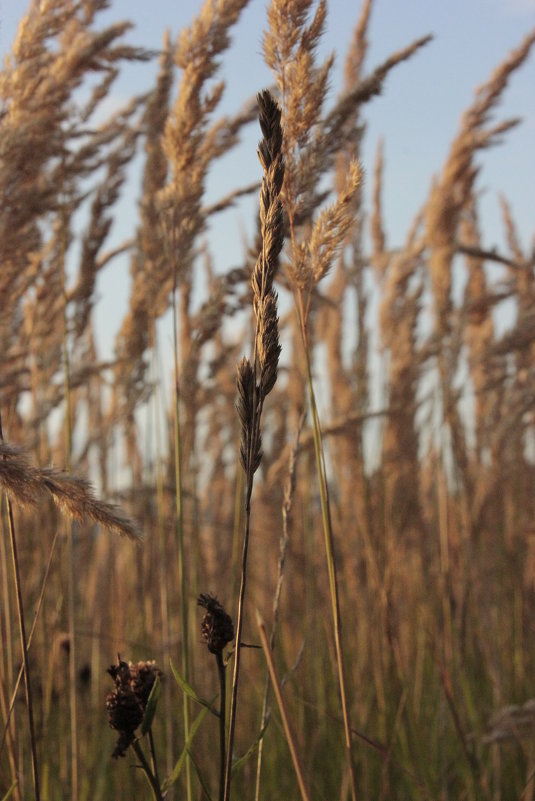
(127, 703)
(217, 627)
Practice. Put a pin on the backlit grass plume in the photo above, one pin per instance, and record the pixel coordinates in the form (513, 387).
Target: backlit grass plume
(28, 485)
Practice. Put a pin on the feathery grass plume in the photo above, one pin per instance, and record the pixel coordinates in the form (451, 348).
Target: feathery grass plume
(349, 383)
(98, 228)
(36, 87)
(451, 192)
(189, 144)
(371, 85)
(28, 485)
(148, 261)
(289, 50)
(513, 240)
(192, 143)
(255, 381)
(48, 151)
(478, 333)
(181, 146)
(341, 126)
(332, 226)
(379, 256)
(522, 282)
(400, 309)
(447, 199)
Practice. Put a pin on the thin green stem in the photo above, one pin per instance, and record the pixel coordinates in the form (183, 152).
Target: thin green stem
(23, 641)
(71, 580)
(7, 672)
(222, 718)
(329, 551)
(153, 756)
(237, 650)
(151, 778)
(180, 541)
(257, 405)
(159, 416)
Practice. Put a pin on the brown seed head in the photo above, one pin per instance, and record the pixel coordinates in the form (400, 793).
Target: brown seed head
(127, 703)
(217, 627)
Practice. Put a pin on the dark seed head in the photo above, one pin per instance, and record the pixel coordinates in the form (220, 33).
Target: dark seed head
(127, 703)
(217, 628)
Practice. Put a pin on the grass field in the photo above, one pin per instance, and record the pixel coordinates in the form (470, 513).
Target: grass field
(314, 508)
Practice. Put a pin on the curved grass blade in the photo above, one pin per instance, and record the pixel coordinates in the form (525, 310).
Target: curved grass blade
(202, 781)
(10, 791)
(152, 703)
(190, 692)
(238, 763)
(185, 751)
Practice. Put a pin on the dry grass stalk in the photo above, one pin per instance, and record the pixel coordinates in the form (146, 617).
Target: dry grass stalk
(288, 729)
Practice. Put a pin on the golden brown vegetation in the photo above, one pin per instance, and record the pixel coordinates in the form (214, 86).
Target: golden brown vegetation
(399, 591)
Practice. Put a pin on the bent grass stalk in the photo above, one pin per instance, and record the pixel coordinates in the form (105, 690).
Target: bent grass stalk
(290, 738)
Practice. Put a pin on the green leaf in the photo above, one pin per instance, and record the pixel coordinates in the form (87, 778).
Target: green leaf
(203, 784)
(152, 703)
(182, 758)
(238, 763)
(190, 692)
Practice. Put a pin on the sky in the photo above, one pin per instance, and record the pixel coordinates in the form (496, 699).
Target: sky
(417, 116)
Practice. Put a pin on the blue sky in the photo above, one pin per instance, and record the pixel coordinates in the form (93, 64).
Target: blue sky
(417, 115)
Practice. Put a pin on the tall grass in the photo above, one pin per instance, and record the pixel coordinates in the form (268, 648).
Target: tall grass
(367, 572)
